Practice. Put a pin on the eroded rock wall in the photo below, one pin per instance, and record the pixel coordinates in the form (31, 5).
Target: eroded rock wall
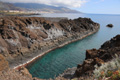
(21, 36)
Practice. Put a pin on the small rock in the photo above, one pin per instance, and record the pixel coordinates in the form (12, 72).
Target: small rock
(110, 25)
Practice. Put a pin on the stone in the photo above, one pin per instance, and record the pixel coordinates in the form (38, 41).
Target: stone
(91, 53)
(110, 25)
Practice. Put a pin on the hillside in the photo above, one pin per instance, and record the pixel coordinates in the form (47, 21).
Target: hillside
(8, 6)
(44, 8)
(35, 7)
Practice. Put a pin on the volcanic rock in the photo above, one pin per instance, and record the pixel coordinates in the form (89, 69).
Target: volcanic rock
(110, 25)
(99, 56)
(20, 36)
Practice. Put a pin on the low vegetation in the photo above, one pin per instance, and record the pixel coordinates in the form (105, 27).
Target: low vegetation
(109, 70)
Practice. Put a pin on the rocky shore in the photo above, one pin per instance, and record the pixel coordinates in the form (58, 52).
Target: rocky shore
(94, 57)
(82, 72)
(98, 57)
(25, 39)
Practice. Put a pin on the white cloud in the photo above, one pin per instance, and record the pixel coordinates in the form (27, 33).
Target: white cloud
(66, 3)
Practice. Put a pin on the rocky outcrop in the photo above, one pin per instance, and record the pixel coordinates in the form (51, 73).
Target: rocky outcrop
(97, 57)
(22, 38)
(110, 25)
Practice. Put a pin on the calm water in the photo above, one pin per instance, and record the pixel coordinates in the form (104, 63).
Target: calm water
(55, 62)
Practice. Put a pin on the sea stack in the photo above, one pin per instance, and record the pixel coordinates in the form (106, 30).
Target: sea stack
(110, 25)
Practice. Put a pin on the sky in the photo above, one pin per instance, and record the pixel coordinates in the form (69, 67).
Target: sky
(85, 6)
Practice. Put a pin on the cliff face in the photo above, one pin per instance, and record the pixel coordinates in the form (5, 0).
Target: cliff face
(97, 57)
(21, 36)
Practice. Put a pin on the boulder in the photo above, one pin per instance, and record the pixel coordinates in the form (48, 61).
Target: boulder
(110, 25)
(87, 65)
(91, 53)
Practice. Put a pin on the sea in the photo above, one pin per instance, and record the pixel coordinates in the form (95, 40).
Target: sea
(68, 56)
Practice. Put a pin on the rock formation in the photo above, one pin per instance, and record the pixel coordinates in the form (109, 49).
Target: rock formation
(97, 57)
(21, 37)
(110, 25)
(11, 74)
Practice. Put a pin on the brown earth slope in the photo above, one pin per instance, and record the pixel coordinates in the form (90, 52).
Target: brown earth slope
(11, 74)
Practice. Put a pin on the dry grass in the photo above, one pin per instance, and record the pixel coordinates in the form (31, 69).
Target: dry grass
(108, 70)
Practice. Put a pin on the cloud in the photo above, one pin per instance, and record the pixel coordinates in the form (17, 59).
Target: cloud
(65, 3)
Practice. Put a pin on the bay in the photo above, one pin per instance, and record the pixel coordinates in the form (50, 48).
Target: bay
(55, 62)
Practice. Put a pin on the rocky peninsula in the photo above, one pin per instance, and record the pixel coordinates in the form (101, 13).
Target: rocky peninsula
(24, 39)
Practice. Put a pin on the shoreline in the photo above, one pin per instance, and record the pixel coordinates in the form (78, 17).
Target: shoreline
(34, 58)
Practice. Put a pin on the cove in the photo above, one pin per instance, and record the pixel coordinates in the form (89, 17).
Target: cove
(55, 62)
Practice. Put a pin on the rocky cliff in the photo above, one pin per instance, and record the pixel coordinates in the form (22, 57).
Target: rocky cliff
(22, 37)
(99, 56)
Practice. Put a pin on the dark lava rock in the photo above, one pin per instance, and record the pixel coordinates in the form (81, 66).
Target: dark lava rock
(110, 25)
(78, 25)
(99, 56)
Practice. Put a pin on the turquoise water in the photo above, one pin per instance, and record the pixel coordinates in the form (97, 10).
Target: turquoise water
(55, 62)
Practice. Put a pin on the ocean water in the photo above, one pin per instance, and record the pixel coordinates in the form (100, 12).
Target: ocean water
(55, 62)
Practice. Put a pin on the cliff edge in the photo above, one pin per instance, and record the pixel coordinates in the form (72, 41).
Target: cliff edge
(23, 38)
(98, 57)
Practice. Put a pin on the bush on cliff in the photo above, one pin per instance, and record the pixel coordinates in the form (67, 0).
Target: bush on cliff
(109, 70)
